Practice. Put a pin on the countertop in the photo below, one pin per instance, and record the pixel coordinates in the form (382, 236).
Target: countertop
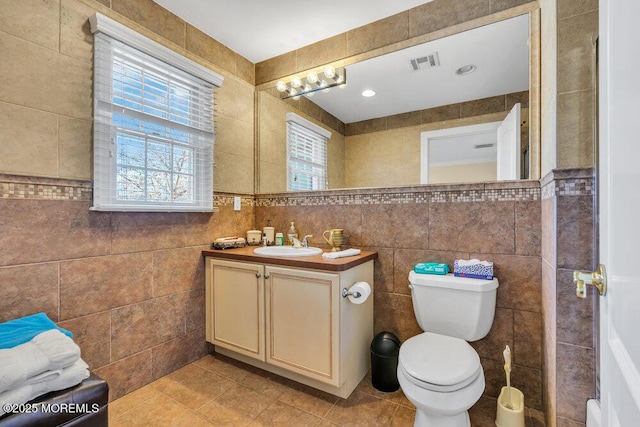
(316, 262)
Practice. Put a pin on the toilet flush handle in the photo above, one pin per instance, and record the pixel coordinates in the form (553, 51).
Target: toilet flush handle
(410, 286)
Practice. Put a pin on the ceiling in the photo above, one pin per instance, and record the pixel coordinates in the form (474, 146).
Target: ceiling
(259, 29)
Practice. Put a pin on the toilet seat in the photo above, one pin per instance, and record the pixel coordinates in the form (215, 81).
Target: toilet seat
(439, 362)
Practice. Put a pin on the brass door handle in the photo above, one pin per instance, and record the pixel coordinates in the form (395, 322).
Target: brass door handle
(596, 278)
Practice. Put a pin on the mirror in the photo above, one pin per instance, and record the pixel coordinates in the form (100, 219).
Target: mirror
(376, 141)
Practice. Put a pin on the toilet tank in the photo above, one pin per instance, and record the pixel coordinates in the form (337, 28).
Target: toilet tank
(454, 306)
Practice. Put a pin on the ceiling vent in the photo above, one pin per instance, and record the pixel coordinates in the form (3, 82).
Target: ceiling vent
(476, 146)
(424, 62)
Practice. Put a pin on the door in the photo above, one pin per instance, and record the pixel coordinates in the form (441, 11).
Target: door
(303, 315)
(619, 210)
(237, 301)
(508, 146)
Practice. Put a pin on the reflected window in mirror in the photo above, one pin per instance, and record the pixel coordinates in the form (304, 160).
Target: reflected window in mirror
(306, 154)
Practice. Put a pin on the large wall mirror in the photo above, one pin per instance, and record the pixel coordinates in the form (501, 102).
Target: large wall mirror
(470, 78)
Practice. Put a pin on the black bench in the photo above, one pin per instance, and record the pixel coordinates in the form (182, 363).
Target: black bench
(82, 405)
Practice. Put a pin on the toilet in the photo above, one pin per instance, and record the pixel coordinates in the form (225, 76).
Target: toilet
(438, 371)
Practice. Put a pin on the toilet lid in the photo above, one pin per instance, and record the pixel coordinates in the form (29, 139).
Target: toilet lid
(438, 362)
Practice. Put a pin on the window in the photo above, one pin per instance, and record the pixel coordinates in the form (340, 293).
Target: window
(153, 125)
(306, 154)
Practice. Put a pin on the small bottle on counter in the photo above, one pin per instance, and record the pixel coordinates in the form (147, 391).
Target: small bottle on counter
(279, 239)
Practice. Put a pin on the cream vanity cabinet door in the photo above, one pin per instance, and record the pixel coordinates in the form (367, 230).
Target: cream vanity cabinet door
(303, 315)
(235, 307)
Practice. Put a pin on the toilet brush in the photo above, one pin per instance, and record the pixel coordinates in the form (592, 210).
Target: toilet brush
(507, 370)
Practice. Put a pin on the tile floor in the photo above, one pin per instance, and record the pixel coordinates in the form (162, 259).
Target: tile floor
(216, 390)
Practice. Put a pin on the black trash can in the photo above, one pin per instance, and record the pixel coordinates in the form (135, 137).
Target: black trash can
(385, 349)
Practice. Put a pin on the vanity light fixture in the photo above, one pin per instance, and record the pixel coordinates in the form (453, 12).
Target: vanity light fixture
(467, 69)
(313, 82)
(368, 93)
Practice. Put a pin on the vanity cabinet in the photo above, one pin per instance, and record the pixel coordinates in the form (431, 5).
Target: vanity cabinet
(291, 321)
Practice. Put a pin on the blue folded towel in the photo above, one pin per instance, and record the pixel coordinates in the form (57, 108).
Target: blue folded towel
(22, 330)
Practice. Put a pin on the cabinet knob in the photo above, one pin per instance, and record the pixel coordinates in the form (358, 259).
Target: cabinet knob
(266, 276)
(258, 275)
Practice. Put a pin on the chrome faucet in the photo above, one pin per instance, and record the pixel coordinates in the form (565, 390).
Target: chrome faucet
(305, 243)
(296, 242)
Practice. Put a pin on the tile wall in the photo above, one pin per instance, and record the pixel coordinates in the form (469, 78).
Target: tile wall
(406, 225)
(569, 339)
(130, 286)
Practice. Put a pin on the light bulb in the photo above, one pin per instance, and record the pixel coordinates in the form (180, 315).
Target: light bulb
(339, 79)
(342, 86)
(296, 82)
(281, 86)
(295, 98)
(324, 85)
(312, 77)
(292, 91)
(309, 94)
(329, 72)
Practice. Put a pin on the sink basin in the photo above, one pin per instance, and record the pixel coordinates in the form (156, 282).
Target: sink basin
(286, 251)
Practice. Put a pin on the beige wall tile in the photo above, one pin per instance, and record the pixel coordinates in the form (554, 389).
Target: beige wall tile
(482, 106)
(273, 177)
(34, 20)
(412, 118)
(146, 324)
(177, 270)
(567, 8)
(128, 374)
(30, 141)
(27, 222)
(40, 78)
(245, 69)
(377, 34)
(438, 114)
(171, 355)
(154, 17)
(273, 148)
(322, 52)
(276, 67)
(576, 54)
(440, 14)
(357, 148)
(233, 173)
(234, 137)
(575, 129)
(335, 160)
(210, 49)
(76, 39)
(29, 289)
(499, 5)
(89, 285)
(133, 232)
(93, 334)
(75, 148)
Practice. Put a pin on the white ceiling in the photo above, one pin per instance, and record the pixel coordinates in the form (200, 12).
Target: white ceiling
(260, 29)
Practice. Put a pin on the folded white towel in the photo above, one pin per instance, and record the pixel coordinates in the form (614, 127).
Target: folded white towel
(48, 351)
(67, 377)
(341, 254)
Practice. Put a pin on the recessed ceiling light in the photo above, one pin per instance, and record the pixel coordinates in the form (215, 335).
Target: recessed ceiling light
(467, 69)
(368, 93)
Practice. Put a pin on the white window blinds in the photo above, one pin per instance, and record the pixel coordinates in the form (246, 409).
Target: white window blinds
(153, 128)
(306, 154)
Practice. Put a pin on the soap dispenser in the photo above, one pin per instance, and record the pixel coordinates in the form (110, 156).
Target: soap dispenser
(292, 233)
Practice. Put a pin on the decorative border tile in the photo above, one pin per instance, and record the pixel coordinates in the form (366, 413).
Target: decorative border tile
(569, 182)
(222, 199)
(26, 187)
(424, 195)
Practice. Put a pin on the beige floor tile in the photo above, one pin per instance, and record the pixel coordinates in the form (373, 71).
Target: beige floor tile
(362, 409)
(131, 401)
(192, 386)
(309, 399)
(266, 383)
(159, 411)
(281, 414)
(237, 403)
(404, 417)
(224, 366)
(394, 396)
